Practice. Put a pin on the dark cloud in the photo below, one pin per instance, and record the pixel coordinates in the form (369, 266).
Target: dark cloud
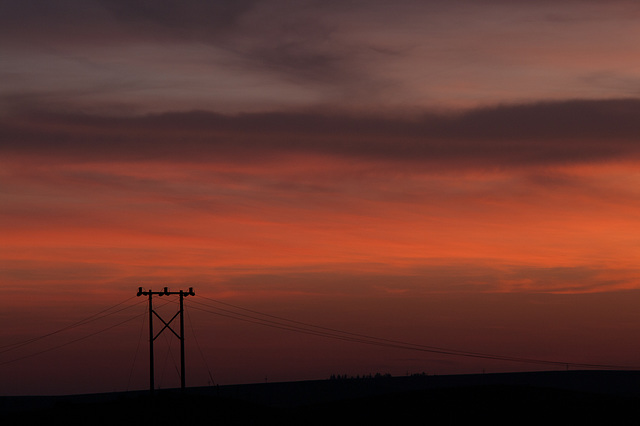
(505, 136)
(310, 43)
(176, 13)
(304, 51)
(115, 21)
(288, 38)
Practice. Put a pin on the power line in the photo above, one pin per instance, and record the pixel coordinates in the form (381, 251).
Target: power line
(307, 328)
(135, 357)
(70, 342)
(98, 315)
(195, 338)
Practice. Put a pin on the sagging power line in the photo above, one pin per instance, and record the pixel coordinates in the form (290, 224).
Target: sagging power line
(92, 318)
(240, 313)
(273, 321)
(98, 315)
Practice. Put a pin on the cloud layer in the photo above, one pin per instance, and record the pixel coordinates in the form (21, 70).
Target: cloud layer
(516, 191)
(572, 132)
(249, 56)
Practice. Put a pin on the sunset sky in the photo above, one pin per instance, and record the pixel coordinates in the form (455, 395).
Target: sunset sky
(462, 174)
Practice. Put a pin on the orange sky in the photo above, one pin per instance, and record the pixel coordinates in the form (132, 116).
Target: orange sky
(464, 177)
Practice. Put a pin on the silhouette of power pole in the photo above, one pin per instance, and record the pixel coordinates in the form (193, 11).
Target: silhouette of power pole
(167, 326)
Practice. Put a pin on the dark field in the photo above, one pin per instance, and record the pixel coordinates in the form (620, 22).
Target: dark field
(569, 397)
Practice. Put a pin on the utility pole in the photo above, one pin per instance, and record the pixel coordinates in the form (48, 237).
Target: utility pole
(167, 326)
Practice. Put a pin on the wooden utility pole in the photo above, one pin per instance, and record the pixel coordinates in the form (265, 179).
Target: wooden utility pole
(167, 326)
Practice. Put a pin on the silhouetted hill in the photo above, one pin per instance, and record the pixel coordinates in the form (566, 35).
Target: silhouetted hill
(513, 398)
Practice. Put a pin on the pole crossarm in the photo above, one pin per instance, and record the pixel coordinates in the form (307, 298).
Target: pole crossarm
(167, 325)
(166, 292)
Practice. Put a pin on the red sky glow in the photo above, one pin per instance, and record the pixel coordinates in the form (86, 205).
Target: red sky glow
(458, 174)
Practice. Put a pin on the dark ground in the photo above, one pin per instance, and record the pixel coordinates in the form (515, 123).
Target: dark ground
(569, 397)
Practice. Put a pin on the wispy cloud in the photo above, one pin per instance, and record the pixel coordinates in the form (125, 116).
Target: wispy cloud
(274, 54)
